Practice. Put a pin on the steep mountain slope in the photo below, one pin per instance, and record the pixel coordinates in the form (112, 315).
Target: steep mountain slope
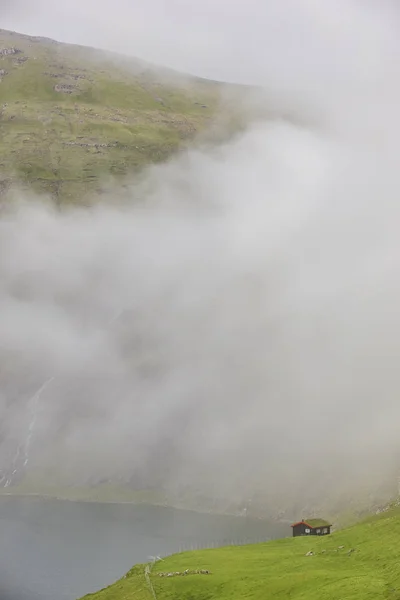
(358, 563)
(72, 116)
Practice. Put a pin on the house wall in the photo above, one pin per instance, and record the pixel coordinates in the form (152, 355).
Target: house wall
(303, 529)
(322, 530)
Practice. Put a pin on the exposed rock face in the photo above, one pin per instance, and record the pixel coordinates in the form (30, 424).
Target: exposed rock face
(5, 185)
(9, 51)
(3, 73)
(77, 76)
(65, 88)
(91, 144)
(74, 76)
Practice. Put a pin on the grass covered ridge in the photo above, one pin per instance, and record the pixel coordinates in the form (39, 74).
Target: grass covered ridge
(71, 117)
(358, 563)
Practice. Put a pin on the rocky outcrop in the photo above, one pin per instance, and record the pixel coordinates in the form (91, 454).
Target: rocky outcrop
(75, 76)
(9, 51)
(5, 185)
(91, 144)
(65, 88)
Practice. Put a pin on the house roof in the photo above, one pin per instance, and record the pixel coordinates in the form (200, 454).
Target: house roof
(313, 523)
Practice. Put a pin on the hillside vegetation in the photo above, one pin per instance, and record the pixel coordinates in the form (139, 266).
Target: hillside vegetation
(71, 117)
(358, 563)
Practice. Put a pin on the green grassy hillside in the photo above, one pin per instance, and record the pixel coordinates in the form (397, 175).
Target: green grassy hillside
(70, 117)
(358, 563)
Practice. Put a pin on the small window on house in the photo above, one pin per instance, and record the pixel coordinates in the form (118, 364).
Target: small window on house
(326, 530)
(318, 531)
(307, 530)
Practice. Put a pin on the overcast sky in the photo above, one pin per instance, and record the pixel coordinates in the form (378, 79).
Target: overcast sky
(227, 39)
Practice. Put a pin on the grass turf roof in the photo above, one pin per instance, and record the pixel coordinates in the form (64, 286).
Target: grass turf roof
(317, 522)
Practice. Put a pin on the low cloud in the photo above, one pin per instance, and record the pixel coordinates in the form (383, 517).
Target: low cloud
(236, 331)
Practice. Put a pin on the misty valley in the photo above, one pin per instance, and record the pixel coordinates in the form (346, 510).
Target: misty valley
(199, 300)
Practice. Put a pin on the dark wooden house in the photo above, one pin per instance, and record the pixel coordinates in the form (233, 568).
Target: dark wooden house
(311, 527)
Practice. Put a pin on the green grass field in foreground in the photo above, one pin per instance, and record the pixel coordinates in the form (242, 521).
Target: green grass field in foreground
(358, 563)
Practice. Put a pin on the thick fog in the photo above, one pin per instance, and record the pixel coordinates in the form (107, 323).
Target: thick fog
(234, 329)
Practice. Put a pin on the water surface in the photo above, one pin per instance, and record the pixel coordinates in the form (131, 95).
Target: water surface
(61, 550)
